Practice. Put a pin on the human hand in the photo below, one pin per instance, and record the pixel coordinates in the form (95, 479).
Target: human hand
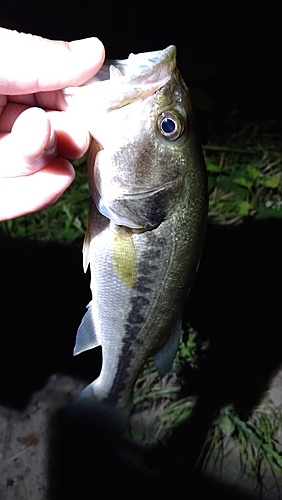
(36, 131)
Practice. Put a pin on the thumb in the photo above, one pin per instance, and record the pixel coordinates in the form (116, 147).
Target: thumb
(30, 64)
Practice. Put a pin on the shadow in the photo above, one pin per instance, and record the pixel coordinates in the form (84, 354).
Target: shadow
(88, 459)
(43, 293)
(235, 303)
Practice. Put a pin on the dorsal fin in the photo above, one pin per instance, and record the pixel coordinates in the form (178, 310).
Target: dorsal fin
(114, 72)
(86, 249)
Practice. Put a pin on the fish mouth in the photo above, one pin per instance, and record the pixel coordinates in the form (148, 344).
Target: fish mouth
(121, 82)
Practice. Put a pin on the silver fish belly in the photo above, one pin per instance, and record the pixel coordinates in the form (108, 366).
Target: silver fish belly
(146, 229)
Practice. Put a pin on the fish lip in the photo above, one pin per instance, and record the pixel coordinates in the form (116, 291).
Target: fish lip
(154, 59)
(150, 60)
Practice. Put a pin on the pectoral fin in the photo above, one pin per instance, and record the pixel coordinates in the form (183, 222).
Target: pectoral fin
(86, 337)
(124, 257)
(164, 358)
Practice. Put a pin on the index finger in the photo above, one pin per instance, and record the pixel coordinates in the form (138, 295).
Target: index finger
(30, 64)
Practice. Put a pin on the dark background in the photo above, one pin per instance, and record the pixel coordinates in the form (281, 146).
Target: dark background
(232, 52)
(231, 49)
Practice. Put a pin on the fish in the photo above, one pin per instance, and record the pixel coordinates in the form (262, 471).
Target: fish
(148, 186)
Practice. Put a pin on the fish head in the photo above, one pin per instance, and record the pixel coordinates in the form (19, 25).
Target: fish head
(144, 141)
(137, 177)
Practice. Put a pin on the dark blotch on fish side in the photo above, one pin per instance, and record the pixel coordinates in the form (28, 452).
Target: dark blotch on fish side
(142, 288)
(153, 253)
(135, 318)
(138, 302)
(144, 270)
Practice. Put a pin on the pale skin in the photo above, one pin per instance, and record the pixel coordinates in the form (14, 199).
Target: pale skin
(37, 131)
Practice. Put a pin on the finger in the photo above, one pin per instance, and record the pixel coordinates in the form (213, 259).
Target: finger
(9, 115)
(47, 100)
(23, 195)
(30, 146)
(31, 64)
(72, 138)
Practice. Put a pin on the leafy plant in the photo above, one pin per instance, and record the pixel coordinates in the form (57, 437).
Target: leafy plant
(188, 351)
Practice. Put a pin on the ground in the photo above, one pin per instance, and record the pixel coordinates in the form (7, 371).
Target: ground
(25, 436)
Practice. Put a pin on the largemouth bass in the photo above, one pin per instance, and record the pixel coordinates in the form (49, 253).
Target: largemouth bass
(146, 229)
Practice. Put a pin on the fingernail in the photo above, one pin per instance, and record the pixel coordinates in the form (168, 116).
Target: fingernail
(52, 142)
(86, 45)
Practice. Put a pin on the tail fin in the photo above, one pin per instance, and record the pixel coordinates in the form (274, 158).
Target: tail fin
(98, 414)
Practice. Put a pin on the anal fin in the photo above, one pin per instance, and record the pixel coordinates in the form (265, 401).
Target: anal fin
(86, 337)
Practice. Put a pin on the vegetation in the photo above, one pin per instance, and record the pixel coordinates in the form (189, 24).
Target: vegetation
(245, 180)
(254, 442)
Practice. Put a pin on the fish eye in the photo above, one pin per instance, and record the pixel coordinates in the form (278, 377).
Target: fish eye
(170, 126)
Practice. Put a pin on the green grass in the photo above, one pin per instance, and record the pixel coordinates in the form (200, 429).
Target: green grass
(245, 180)
(254, 441)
